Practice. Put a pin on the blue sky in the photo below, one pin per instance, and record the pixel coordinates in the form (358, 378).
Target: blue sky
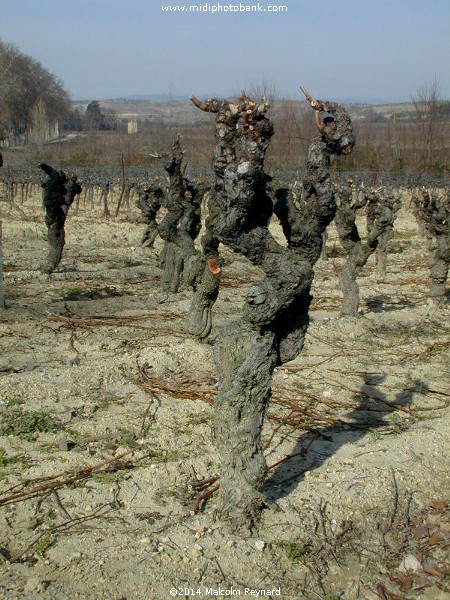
(358, 49)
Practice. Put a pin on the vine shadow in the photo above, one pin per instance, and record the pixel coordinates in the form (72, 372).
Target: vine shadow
(312, 449)
(384, 303)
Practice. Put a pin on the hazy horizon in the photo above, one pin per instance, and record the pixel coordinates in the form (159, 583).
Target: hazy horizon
(156, 97)
(354, 49)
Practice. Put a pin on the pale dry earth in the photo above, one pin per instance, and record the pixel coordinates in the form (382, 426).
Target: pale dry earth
(102, 505)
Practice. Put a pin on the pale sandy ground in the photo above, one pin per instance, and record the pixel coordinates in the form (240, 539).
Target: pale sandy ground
(368, 421)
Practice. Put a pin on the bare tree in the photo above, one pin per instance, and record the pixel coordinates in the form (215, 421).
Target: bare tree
(426, 104)
(263, 88)
(24, 86)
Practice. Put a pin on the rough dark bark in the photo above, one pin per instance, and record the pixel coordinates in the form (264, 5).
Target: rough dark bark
(58, 195)
(172, 264)
(128, 194)
(182, 223)
(180, 226)
(149, 202)
(432, 211)
(2, 285)
(392, 202)
(104, 194)
(273, 325)
(380, 218)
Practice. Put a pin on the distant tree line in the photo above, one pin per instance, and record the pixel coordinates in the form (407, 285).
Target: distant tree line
(35, 107)
(28, 92)
(94, 118)
(32, 98)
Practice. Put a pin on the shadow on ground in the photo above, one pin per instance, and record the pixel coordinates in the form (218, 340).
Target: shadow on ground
(385, 303)
(315, 447)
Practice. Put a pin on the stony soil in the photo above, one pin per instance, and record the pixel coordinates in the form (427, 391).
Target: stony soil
(105, 410)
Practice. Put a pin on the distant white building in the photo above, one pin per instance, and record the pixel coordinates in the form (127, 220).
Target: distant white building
(132, 126)
(132, 122)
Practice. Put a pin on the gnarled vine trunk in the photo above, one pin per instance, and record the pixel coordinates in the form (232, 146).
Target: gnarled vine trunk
(179, 228)
(149, 201)
(58, 195)
(380, 218)
(432, 210)
(273, 325)
(393, 201)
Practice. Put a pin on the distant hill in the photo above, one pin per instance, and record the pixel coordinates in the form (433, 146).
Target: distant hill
(404, 110)
(158, 97)
(371, 101)
(159, 109)
(174, 112)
